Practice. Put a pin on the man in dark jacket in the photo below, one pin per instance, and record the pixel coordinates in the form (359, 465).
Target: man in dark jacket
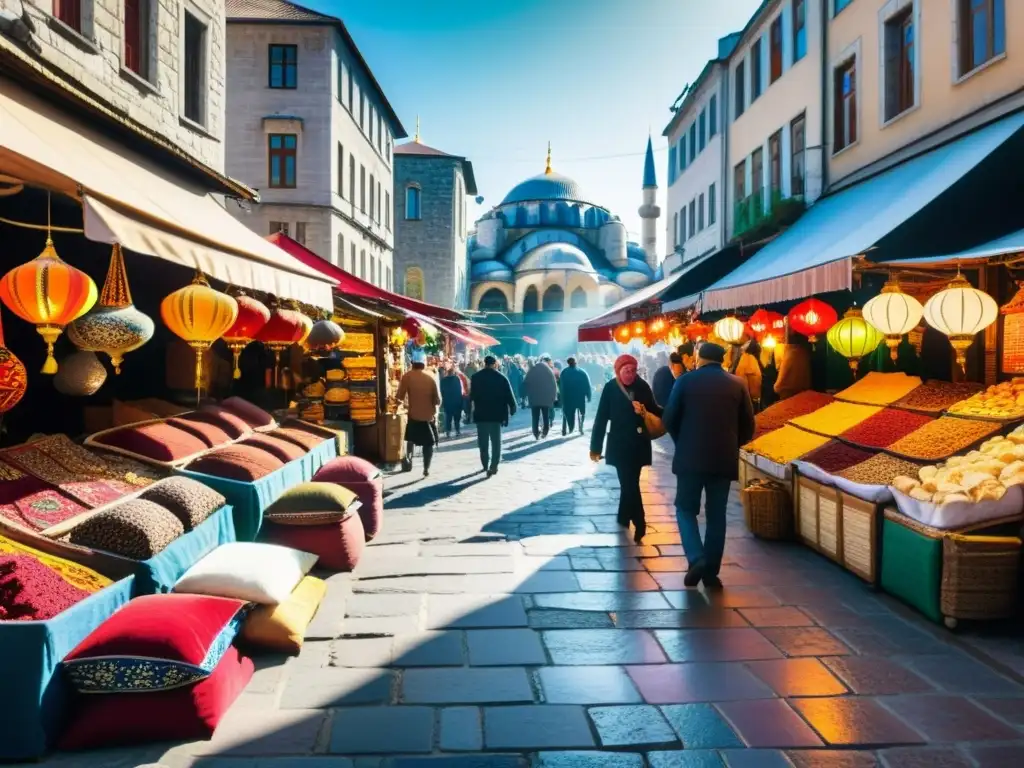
(709, 416)
(665, 377)
(451, 400)
(576, 393)
(493, 404)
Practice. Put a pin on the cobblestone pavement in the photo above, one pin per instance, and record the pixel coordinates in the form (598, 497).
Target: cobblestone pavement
(507, 622)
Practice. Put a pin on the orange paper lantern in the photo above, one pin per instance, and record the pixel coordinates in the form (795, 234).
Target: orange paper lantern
(624, 333)
(200, 315)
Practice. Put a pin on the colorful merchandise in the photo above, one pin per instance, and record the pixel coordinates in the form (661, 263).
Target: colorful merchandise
(252, 316)
(1002, 402)
(253, 415)
(311, 499)
(786, 444)
(199, 315)
(282, 628)
(339, 545)
(234, 426)
(188, 500)
(13, 377)
(835, 456)
(254, 572)
(880, 388)
(835, 418)
(981, 475)
(942, 438)
(282, 449)
(211, 434)
(853, 338)
(81, 374)
(362, 343)
(300, 437)
(244, 463)
(935, 396)
(880, 469)
(137, 529)
(777, 415)
(366, 480)
(885, 428)
(30, 503)
(155, 441)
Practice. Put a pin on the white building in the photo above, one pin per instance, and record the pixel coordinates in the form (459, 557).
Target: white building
(697, 164)
(775, 108)
(310, 127)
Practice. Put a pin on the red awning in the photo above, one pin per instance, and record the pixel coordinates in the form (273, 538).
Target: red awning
(468, 335)
(349, 284)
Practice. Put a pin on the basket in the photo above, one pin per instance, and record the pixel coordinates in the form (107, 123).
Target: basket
(767, 509)
(979, 576)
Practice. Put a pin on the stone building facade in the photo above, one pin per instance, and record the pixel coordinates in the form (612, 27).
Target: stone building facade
(430, 226)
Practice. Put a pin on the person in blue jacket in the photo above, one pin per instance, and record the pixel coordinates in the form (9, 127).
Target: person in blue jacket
(451, 400)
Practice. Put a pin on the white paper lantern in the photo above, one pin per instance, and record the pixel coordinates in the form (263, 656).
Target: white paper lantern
(730, 330)
(960, 311)
(894, 313)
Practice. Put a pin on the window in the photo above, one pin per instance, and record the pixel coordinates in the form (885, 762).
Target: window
(845, 97)
(982, 32)
(373, 197)
(554, 299)
(352, 258)
(899, 63)
(351, 90)
(362, 111)
(713, 117)
(702, 133)
(412, 203)
(70, 12)
(775, 50)
(755, 70)
(799, 29)
(341, 251)
(414, 283)
(712, 204)
(284, 66)
(362, 188)
(757, 171)
(739, 181)
(838, 5)
(578, 299)
(341, 80)
(672, 164)
(739, 89)
(194, 87)
(493, 300)
(369, 126)
(378, 201)
(341, 170)
(693, 142)
(693, 217)
(387, 211)
(362, 263)
(380, 133)
(798, 144)
(387, 271)
(373, 269)
(136, 37)
(282, 153)
(352, 179)
(700, 213)
(300, 232)
(682, 152)
(675, 230)
(775, 163)
(531, 300)
(279, 226)
(682, 225)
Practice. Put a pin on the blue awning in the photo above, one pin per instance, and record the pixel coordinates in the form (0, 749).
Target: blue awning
(815, 254)
(1001, 246)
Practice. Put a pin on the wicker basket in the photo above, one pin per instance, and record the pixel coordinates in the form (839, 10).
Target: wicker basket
(768, 510)
(979, 576)
(860, 536)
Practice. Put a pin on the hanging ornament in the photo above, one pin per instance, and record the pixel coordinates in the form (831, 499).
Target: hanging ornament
(769, 341)
(252, 316)
(639, 330)
(853, 338)
(114, 326)
(81, 375)
(399, 336)
(199, 315)
(49, 294)
(812, 318)
(307, 322)
(13, 377)
(285, 327)
(730, 330)
(656, 329)
(763, 322)
(960, 311)
(325, 337)
(411, 326)
(624, 333)
(894, 313)
(698, 331)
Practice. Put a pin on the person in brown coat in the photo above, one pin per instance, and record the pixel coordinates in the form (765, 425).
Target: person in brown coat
(424, 397)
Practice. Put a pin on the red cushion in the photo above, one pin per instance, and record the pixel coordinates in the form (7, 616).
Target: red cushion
(252, 415)
(346, 469)
(211, 434)
(244, 463)
(339, 545)
(275, 446)
(302, 437)
(182, 714)
(225, 419)
(158, 441)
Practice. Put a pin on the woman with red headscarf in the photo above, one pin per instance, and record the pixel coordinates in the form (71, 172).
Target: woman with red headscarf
(621, 413)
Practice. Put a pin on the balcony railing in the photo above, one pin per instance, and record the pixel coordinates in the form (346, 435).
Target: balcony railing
(753, 213)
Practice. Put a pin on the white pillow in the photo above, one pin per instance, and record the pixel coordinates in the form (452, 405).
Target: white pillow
(258, 573)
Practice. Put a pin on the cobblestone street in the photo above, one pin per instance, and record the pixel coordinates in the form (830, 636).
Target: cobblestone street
(507, 622)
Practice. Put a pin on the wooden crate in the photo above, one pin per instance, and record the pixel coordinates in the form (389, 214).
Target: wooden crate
(807, 493)
(861, 537)
(830, 523)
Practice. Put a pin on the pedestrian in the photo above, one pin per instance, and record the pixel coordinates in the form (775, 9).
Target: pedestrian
(576, 393)
(794, 369)
(709, 416)
(542, 391)
(494, 403)
(746, 364)
(421, 390)
(620, 412)
(515, 378)
(452, 400)
(665, 377)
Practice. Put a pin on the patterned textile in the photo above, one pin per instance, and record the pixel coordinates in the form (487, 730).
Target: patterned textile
(225, 419)
(211, 434)
(31, 503)
(188, 500)
(137, 529)
(284, 450)
(307, 518)
(300, 437)
(236, 462)
(157, 441)
(251, 414)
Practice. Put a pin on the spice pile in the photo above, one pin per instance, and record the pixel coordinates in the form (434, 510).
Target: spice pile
(880, 388)
(836, 418)
(785, 444)
(942, 438)
(981, 475)
(777, 415)
(1004, 402)
(885, 428)
(836, 456)
(880, 469)
(936, 396)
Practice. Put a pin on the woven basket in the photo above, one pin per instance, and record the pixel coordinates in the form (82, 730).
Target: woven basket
(768, 510)
(979, 576)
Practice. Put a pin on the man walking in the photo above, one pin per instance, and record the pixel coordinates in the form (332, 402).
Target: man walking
(422, 392)
(709, 416)
(576, 393)
(493, 404)
(452, 400)
(541, 390)
(665, 377)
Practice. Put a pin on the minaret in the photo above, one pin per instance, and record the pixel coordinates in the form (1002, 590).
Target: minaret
(649, 211)
(417, 139)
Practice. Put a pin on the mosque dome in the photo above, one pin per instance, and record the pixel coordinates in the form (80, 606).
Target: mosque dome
(490, 270)
(556, 256)
(545, 187)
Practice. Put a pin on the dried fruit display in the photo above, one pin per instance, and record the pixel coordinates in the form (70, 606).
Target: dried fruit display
(942, 438)
(935, 396)
(880, 388)
(775, 416)
(836, 456)
(981, 475)
(1003, 402)
(885, 428)
(880, 469)
(785, 444)
(836, 418)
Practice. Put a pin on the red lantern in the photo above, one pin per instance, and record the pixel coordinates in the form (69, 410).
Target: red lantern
(696, 331)
(252, 316)
(812, 318)
(412, 327)
(764, 321)
(285, 327)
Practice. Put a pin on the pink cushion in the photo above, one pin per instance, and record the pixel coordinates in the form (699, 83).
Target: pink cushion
(211, 434)
(339, 545)
(223, 418)
(244, 463)
(306, 439)
(157, 441)
(251, 414)
(346, 469)
(275, 446)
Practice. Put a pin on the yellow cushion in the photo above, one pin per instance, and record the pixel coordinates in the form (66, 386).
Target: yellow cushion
(282, 627)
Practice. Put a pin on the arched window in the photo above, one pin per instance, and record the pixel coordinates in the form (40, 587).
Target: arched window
(414, 283)
(578, 299)
(412, 203)
(531, 300)
(554, 299)
(493, 300)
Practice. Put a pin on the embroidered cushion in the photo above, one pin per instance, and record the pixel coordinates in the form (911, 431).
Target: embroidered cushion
(339, 546)
(236, 462)
(275, 446)
(137, 529)
(301, 437)
(188, 500)
(223, 418)
(188, 713)
(212, 435)
(252, 415)
(312, 498)
(259, 573)
(156, 643)
(158, 441)
(282, 627)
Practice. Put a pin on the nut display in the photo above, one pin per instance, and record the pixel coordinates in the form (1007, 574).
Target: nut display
(942, 438)
(836, 456)
(836, 418)
(785, 444)
(885, 428)
(357, 363)
(880, 388)
(980, 475)
(357, 342)
(775, 416)
(880, 469)
(1003, 402)
(936, 396)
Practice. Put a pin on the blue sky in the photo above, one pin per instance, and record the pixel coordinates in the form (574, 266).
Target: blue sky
(495, 81)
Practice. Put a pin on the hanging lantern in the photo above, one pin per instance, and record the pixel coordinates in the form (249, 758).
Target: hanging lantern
(960, 311)
(80, 375)
(285, 327)
(853, 337)
(812, 318)
(894, 313)
(769, 341)
(252, 316)
(199, 315)
(730, 330)
(411, 326)
(656, 329)
(49, 294)
(623, 333)
(697, 331)
(399, 336)
(763, 321)
(13, 377)
(639, 330)
(114, 326)
(675, 336)
(325, 337)
(307, 322)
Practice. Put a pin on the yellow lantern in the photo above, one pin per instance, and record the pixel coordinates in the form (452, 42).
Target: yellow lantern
(624, 333)
(853, 338)
(730, 330)
(200, 315)
(894, 313)
(769, 341)
(639, 330)
(960, 311)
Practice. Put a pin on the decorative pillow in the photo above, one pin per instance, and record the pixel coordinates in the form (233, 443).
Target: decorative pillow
(311, 518)
(282, 627)
(188, 713)
(137, 529)
(252, 415)
(244, 463)
(259, 573)
(301, 437)
(275, 446)
(158, 441)
(211, 434)
(35, 586)
(223, 418)
(312, 497)
(345, 469)
(155, 643)
(188, 500)
(338, 545)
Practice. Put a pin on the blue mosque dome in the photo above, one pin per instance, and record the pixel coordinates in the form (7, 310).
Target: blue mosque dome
(490, 270)
(639, 265)
(545, 187)
(552, 256)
